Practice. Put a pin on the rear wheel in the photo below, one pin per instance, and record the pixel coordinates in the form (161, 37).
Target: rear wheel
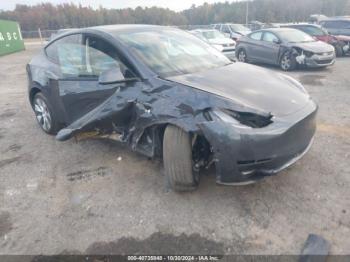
(177, 158)
(242, 56)
(288, 62)
(44, 114)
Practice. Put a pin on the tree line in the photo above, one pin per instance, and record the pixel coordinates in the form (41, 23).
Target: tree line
(48, 16)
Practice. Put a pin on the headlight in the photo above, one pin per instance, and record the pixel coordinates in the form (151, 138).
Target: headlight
(308, 53)
(295, 83)
(218, 47)
(243, 119)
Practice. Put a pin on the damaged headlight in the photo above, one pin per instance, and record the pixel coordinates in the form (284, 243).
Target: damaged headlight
(243, 119)
(308, 53)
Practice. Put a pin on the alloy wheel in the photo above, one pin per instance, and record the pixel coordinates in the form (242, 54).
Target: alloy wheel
(286, 62)
(242, 57)
(42, 114)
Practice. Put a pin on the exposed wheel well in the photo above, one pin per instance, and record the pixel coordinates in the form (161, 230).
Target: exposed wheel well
(32, 93)
(200, 146)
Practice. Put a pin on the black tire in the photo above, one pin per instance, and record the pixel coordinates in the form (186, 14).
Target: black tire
(177, 159)
(288, 62)
(242, 56)
(339, 51)
(40, 100)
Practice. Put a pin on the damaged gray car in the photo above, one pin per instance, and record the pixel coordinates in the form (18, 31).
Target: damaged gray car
(285, 47)
(169, 95)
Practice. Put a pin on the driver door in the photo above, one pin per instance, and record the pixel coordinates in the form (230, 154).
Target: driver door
(82, 58)
(269, 48)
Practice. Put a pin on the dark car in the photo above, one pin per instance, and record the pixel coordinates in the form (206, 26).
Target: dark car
(337, 25)
(341, 44)
(286, 47)
(167, 94)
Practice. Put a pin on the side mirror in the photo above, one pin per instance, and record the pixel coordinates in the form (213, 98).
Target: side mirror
(110, 76)
(276, 41)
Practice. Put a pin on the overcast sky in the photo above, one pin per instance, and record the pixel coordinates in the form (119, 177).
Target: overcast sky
(176, 5)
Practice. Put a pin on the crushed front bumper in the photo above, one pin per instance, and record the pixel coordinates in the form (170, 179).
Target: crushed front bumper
(320, 60)
(245, 155)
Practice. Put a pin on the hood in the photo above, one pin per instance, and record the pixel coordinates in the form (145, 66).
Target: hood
(221, 41)
(251, 86)
(315, 47)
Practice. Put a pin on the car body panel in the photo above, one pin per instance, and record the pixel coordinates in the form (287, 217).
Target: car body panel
(136, 112)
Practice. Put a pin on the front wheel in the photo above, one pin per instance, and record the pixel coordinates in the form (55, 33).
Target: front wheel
(177, 159)
(288, 62)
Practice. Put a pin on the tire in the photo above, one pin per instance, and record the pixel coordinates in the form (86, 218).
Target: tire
(339, 51)
(242, 56)
(177, 159)
(44, 114)
(288, 62)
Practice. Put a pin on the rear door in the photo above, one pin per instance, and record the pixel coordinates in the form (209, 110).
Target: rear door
(269, 48)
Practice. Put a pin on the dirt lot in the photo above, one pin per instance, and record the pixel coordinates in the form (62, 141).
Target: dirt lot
(96, 196)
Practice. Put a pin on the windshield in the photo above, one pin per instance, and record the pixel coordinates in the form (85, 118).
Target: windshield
(213, 34)
(173, 52)
(237, 28)
(295, 36)
(314, 31)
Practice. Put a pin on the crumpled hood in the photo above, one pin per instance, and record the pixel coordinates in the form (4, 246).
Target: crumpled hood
(250, 86)
(315, 47)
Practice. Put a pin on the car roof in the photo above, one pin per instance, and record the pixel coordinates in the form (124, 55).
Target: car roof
(337, 18)
(277, 29)
(301, 24)
(112, 29)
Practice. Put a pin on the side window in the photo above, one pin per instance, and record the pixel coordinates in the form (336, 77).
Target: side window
(217, 27)
(256, 36)
(51, 52)
(88, 58)
(100, 56)
(269, 37)
(68, 53)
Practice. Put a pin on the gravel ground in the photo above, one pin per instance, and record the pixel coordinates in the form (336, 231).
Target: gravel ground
(96, 196)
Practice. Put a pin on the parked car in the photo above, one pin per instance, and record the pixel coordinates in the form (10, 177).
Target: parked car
(233, 31)
(167, 94)
(341, 44)
(218, 40)
(286, 47)
(337, 26)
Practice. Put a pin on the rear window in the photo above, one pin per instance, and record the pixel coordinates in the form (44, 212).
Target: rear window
(337, 24)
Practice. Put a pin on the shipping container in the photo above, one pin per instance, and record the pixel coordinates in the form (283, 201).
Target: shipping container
(10, 37)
